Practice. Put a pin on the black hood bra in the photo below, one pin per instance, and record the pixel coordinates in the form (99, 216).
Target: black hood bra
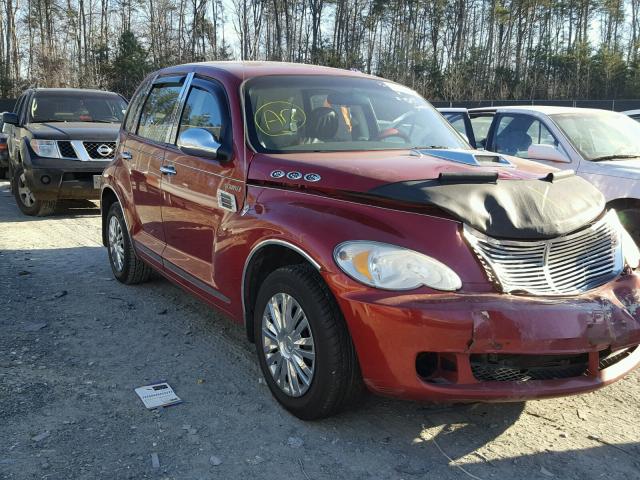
(538, 209)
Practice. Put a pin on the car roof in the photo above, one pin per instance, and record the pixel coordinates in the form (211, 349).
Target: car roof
(243, 70)
(452, 110)
(73, 91)
(544, 109)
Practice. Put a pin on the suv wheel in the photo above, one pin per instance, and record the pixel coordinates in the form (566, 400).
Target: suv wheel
(125, 265)
(303, 345)
(27, 202)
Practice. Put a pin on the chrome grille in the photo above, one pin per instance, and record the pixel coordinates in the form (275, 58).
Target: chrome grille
(564, 265)
(66, 149)
(100, 150)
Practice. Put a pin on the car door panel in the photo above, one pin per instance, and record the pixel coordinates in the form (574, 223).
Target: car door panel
(144, 154)
(191, 212)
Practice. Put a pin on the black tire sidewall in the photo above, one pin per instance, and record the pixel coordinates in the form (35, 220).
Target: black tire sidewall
(116, 211)
(315, 398)
(35, 208)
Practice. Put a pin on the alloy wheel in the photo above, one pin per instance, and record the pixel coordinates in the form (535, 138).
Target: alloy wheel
(116, 243)
(288, 344)
(25, 193)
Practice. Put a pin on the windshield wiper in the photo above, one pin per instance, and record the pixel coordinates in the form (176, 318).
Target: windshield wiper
(427, 147)
(613, 157)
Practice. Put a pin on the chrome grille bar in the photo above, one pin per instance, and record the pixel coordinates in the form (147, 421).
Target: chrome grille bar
(564, 265)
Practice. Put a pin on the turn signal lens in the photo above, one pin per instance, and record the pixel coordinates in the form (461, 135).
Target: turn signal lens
(389, 267)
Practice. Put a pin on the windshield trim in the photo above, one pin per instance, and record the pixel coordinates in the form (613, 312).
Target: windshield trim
(243, 93)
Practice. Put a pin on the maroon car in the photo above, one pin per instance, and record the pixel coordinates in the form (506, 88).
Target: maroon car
(362, 242)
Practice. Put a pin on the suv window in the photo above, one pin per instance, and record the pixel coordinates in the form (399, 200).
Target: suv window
(457, 121)
(157, 113)
(202, 110)
(134, 107)
(481, 125)
(88, 107)
(516, 133)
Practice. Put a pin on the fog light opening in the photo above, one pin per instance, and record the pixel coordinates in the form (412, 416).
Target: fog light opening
(45, 179)
(426, 364)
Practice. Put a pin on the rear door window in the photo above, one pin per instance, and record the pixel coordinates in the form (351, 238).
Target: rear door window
(158, 112)
(481, 124)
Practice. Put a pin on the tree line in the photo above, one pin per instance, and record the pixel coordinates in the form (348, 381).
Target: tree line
(445, 49)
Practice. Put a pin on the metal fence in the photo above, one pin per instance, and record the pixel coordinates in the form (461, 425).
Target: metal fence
(7, 104)
(616, 105)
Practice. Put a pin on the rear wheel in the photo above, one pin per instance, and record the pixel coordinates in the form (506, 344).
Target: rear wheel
(125, 264)
(303, 345)
(27, 202)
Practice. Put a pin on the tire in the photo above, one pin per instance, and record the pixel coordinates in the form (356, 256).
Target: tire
(335, 381)
(125, 264)
(27, 203)
(630, 219)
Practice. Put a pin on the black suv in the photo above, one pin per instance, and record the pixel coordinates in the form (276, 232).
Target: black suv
(59, 141)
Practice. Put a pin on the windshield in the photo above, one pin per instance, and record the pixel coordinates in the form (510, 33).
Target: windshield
(601, 135)
(332, 113)
(76, 108)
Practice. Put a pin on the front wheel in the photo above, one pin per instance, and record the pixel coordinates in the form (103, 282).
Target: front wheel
(27, 202)
(303, 345)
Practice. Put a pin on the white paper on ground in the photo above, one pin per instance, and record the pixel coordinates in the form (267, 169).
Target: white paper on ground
(157, 395)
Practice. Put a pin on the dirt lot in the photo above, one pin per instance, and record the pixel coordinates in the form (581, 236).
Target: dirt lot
(74, 344)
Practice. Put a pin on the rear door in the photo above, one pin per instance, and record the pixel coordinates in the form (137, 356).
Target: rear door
(143, 152)
(198, 191)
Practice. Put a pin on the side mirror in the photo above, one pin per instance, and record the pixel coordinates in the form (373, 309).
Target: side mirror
(10, 118)
(546, 152)
(200, 143)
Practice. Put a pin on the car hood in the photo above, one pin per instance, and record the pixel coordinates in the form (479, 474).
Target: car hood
(75, 131)
(523, 201)
(621, 168)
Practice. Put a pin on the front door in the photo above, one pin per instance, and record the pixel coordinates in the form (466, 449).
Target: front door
(143, 152)
(199, 191)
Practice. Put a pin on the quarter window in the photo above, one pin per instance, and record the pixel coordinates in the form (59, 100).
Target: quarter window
(157, 113)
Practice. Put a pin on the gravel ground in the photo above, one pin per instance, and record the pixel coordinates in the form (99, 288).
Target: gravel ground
(74, 344)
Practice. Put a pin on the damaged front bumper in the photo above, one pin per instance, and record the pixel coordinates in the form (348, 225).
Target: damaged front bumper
(494, 347)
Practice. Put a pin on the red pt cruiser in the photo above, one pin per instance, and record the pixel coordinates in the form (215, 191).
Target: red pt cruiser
(362, 242)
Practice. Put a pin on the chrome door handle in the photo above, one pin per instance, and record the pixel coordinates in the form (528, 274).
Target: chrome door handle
(126, 155)
(168, 170)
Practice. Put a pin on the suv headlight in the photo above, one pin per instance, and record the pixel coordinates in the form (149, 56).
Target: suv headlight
(390, 267)
(45, 148)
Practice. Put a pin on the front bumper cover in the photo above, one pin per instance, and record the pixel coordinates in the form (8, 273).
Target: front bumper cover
(68, 179)
(390, 330)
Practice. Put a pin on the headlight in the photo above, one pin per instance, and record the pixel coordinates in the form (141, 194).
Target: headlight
(389, 267)
(629, 249)
(45, 148)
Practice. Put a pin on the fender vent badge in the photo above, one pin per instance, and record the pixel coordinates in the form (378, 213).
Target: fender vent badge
(277, 174)
(294, 175)
(227, 201)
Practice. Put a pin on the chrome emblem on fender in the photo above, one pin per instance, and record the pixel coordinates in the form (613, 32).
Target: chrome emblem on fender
(312, 177)
(277, 174)
(294, 175)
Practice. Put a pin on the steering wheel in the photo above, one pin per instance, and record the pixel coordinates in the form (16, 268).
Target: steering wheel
(391, 133)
